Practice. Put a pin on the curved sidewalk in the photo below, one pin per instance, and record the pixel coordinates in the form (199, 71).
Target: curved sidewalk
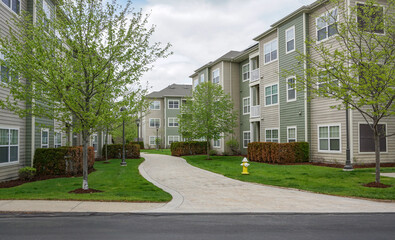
(197, 190)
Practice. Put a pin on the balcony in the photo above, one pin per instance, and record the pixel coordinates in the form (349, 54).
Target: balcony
(255, 111)
(254, 75)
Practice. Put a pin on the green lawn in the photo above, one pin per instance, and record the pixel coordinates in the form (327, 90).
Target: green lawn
(154, 151)
(326, 180)
(117, 183)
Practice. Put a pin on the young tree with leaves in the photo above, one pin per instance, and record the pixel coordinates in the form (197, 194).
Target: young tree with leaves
(208, 114)
(85, 61)
(359, 73)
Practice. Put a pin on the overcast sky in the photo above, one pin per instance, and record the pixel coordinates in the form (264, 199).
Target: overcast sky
(202, 30)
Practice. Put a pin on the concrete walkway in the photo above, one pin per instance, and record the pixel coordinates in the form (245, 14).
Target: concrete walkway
(197, 190)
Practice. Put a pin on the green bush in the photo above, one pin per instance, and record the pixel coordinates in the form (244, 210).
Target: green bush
(138, 143)
(188, 148)
(52, 161)
(115, 151)
(27, 173)
(269, 152)
(233, 145)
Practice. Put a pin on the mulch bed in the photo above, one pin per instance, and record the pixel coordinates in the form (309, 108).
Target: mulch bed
(80, 190)
(376, 185)
(17, 182)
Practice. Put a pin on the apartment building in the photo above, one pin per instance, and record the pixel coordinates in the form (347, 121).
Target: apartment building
(20, 137)
(272, 110)
(161, 120)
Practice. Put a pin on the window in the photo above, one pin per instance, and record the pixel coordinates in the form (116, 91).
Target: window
(291, 91)
(9, 145)
(173, 122)
(291, 134)
(270, 51)
(329, 138)
(14, 5)
(326, 25)
(271, 135)
(290, 39)
(216, 76)
(246, 139)
(271, 95)
(152, 140)
(174, 104)
(44, 138)
(202, 78)
(195, 83)
(246, 105)
(326, 83)
(95, 142)
(217, 143)
(58, 139)
(155, 105)
(172, 139)
(370, 18)
(366, 139)
(154, 122)
(245, 72)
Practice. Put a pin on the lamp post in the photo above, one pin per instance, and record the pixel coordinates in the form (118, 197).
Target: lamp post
(123, 163)
(138, 129)
(157, 140)
(348, 166)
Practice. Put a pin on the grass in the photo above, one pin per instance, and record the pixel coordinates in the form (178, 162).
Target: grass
(154, 151)
(117, 183)
(333, 181)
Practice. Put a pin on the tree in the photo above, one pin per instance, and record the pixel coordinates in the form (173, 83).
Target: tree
(357, 69)
(80, 64)
(208, 114)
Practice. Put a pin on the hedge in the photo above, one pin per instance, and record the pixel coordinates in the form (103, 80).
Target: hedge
(51, 161)
(138, 143)
(188, 148)
(115, 151)
(269, 152)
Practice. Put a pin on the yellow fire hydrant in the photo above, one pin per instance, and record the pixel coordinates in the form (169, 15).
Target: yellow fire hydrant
(245, 165)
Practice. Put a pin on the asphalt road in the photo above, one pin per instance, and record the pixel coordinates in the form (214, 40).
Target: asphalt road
(197, 226)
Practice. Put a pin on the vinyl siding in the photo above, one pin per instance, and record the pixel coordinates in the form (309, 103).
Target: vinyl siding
(171, 113)
(244, 119)
(147, 131)
(291, 113)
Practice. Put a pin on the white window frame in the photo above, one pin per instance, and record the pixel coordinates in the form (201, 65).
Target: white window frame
(329, 138)
(248, 72)
(288, 40)
(248, 106)
(201, 78)
(296, 134)
(326, 25)
(41, 137)
(245, 139)
(217, 141)
(271, 95)
(216, 78)
(9, 145)
(271, 134)
(54, 139)
(172, 121)
(9, 8)
(294, 88)
(377, 5)
(178, 104)
(154, 124)
(150, 139)
(266, 46)
(93, 142)
(173, 137)
(359, 138)
(153, 105)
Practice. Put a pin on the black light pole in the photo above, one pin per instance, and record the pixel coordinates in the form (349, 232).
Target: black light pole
(138, 129)
(348, 166)
(123, 163)
(157, 141)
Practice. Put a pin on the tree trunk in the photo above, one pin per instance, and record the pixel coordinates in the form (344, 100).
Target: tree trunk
(106, 144)
(377, 152)
(208, 149)
(85, 142)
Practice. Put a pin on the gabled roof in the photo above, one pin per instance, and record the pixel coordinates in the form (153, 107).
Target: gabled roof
(174, 90)
(229, 56)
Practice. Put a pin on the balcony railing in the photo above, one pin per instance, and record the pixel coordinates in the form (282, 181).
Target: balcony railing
(255, 111)
(254, 75)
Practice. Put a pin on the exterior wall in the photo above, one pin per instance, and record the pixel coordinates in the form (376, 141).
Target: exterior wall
(243, 119)
(171, 113)
(292, 113)
(269, 114)
(147, 131)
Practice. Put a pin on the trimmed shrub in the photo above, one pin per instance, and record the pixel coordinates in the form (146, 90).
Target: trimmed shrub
(188, 148)
(269, 152)
(27, 173)
(138, 143)
(233, 145)
(115, 151)
(53, 161)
